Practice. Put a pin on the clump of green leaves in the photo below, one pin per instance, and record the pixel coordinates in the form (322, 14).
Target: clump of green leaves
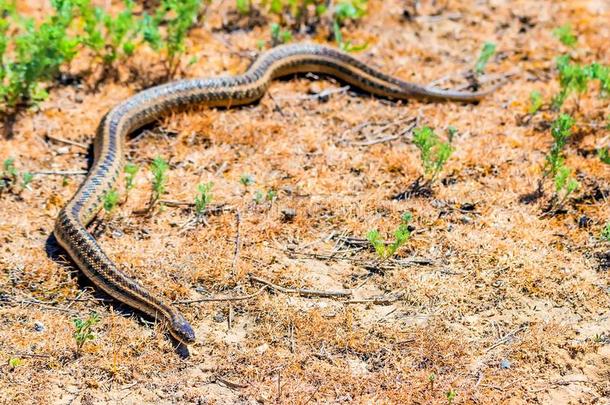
(38, 51)
(14, 362)
(604, 155)
(246, 180)
(130, 170)
(575, 78)
(555, 168)
(566, 35)
(451, 394)
(434, 153)
(111, 38)
(401, 235)
(488, 50)
(605, 233)
(178, 17)
(243, 6)
(260, 197)
(203, 197)
(561, 130)
(10, 176)
(535, 102)
(83, 330)
(279, 36)
(158, 168)
(111, 200)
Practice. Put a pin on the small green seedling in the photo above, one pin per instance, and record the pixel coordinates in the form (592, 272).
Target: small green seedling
(243, 6)
(203, 197)
(279, 36)
(488, 50)
(535, 102)
(130, 174)
(565, 185)
(561, 130)
(158, 167)
(433, 152)
(26, 179)
(565, 35)
(451, 394)
(604, 155)
(401, 235)
(605, 233)
(83, 330)
(246, 180)
(14, 362)
(111, 200)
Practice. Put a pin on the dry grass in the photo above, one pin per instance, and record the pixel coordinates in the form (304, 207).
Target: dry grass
(501, 285)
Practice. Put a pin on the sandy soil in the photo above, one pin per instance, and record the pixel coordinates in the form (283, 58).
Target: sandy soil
(489, 299)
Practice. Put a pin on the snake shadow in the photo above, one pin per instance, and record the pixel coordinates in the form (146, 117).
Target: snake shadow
(56, 253)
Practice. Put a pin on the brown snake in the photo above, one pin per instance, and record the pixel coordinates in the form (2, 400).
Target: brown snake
(148, 105)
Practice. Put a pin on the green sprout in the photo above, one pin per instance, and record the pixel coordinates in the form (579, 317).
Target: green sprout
(535, 102)
(83, 330)
(279, 36)
(401, 235)
(26, 179)
(111, 200)
(561, 131)
(604, 155)
(14, 362)
(246, 180)
(605, 233)
(451, 394)
(130, 174)
(243, 6)
(158, 167)
(433, 152)
(488, 50)
(565, 35)
(203, 197)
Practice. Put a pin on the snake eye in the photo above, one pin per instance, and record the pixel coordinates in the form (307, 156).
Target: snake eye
(181, 329)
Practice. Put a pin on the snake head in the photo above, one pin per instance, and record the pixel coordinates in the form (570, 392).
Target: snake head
(181, 329)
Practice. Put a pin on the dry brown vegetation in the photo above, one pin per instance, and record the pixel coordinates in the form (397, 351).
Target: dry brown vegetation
(489, 299)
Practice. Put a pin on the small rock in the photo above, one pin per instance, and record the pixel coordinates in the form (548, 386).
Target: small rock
(262, 348)
(219, 317)
(505, 364)
(288, 214)
(39, 326)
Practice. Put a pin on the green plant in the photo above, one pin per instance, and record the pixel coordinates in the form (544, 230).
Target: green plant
(605, 233)
(111, 38)
(573, 78)
(243, 6)
(535, 102)
(488, 50)
(158, 167)
(203, 197)
(401, 235)
(344, 11)
(9, 177)
(565, 35)
(561, 131)
(37, 53)
(14, 362)
(246, 180)
(604, 155)
(130, 170)
(451, 394)
(433, 152)
(278, 35)
(26, 179)
(178, 17)
(83, 330)
(111, 200)
(565, 185)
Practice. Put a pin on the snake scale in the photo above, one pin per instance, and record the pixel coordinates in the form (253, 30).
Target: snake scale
(148, 105)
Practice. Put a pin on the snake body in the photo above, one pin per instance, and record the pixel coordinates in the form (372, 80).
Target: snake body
(146, 106)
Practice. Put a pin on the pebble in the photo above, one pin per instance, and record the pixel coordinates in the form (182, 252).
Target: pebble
(505, 364)
(39, 326)
(219, 317)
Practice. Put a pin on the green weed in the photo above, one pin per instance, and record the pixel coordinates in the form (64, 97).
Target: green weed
(83, 330)
(401, 235)
(604, 155)
(203, 197)
(535, 102)
(243, 6)
(111, 200)
(130, 170)
(488, 50)
(565, 35)
(605, 233)
(561, 130)
(433, 152)
(246, 180)
(158, 168)
(279, 36)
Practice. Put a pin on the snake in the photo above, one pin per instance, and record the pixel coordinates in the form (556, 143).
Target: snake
(150, 104)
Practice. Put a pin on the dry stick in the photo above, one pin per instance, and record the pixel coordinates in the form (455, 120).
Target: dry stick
(67, 141)
(237, 243)
(376, 301)
(387, 138)
(301, 291)
(222, 299)
(38, 303)
(228, 383)
(60, 173)
(506, 338)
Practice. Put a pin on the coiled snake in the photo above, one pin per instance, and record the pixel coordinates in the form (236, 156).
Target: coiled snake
(148, 105)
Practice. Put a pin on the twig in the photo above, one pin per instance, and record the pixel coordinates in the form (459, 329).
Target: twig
(237, 242)
(60, 173)
(377, 301)
(301, 291)
(36, 302)
(67, 141)
(506, 338)
(228, 383)
(222, 299)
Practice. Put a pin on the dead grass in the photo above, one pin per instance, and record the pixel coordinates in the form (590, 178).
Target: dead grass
(497, 284)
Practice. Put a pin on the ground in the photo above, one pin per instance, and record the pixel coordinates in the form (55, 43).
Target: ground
(490, 299)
